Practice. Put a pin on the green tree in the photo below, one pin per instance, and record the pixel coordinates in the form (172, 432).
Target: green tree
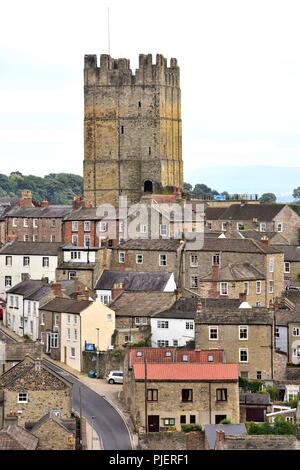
(268, 197)
(187, 187)
(296, 193)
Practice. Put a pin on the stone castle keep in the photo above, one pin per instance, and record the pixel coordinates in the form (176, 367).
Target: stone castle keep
(132, 128)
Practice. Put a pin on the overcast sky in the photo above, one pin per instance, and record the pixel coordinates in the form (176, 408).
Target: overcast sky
(240, 81)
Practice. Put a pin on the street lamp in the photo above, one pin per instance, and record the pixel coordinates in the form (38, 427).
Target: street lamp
(97, 354)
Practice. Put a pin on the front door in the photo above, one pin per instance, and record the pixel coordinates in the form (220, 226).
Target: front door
(255, 414)
(219, 418)
(65, 351)
(153, 423)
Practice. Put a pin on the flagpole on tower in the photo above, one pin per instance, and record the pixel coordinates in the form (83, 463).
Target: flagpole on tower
(108, 31)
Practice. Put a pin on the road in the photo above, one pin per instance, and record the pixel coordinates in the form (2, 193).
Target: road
(108, 424)
(6, 338)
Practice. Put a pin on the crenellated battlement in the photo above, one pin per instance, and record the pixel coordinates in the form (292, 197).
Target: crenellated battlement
(117, 72)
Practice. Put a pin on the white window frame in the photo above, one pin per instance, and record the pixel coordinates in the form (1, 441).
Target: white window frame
(271, 287)
(271, 265)
(121, 227)
(14, 222)
(243, 328)
(226, 285)
(140, 257)
(27, 263)
(105, 299)
(8, 281)
(296, 351)
(210, 330)
(162, 343)
(224, 226)
(143, 228)
(54, 341)
(163, 230)
(263, 227)
(68, 334)
(122, 257)
(287, 267)
(35, 223)
(26, 237)
(9, 257)
(296, 331)
(75, 255)
(161, 261)
(240, 227)
(71, 275)
(74, 237)
(25, 222)
(214, 258)
(258, 287)
(34, 237)
(189, 325)
(240, 357)
(75, 334)
(277, 332)
(85, 238)
(74, 225)
(194, 282)
(162, 324)
(102, 226)
(52, 238)
(279, 225)
(23, 394)
(45, 261)
(72, 349)
(87, 226)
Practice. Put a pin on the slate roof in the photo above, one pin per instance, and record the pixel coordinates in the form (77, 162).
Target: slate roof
(257, 235)
(291, 252)
(40, 293)
(44, 379)
(171, 355)
(150, 245)
(31, 248)
(262, 212)
(284, 317)
(255, 316)
(246, 245)
(61, 305)
(190, 372)
(143, 304)
(40, 212)
(255, 399)
(27, 288)
(235, 272)
(229, 430)
(134, 281)
(13, 437)
(67, 425)
(214, 213)
(85, 213)
(182, 308)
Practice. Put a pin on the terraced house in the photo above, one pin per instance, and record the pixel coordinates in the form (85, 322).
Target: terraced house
(226, 268)
(262, 218)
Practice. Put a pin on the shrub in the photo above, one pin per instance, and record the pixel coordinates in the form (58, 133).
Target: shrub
(225, 421)
(280, 427)
(191, 427)
(291, 403)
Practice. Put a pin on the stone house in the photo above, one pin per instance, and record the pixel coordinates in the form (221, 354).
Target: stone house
(53, 433)
(20, 261)
(148, 255)
(209, 258)
(6, 204)
(182, 393)
(254, 407)
(13, 437)
(236, 280)
(291, 264)
(70, 325)
(264, 218)
(287, 334)
(27, 223)
(133, 312)
(245, 335)
(31, 390)
(111, 283)
(81, 264)
(22, 308)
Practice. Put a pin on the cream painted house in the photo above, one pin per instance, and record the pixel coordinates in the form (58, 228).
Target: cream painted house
(85, 323)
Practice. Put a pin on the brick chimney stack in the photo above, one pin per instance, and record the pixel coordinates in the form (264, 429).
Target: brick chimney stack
(117, 290)
(78, 202)
(56, 287)
(25, 199)
(265, 240)
(11, 419)
(220, 438)
(44, 203)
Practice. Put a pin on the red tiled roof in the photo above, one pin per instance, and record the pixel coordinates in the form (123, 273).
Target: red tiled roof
(172, 355)
(182, 372)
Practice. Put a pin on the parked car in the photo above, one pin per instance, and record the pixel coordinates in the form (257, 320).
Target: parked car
(294, 288)
(115, 377)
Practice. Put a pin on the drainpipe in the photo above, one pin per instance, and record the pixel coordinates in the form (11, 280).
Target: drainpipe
(209, 401)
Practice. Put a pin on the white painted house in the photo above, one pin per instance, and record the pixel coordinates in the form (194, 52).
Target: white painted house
(133, 282)
(175, 326)
(20, 261)
(23, 303)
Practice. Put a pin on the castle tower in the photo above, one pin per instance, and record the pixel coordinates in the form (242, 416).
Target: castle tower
(132, 127)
